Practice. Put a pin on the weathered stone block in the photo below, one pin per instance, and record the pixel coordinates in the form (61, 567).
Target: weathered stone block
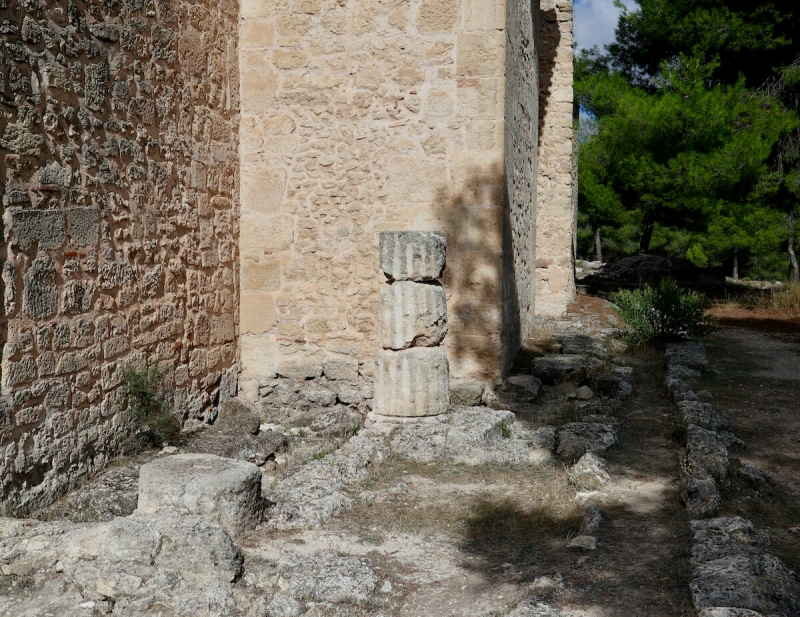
(220, 490)
(40, 298)
(412, 315)
(43, 227)
(341, 368)
(83, 225)
(412, 255)
(413, 382)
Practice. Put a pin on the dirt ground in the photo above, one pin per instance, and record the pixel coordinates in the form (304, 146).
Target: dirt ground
(458, 541)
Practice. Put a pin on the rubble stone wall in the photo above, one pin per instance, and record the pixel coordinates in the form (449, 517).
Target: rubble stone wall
(359, 117)
(557, 198)
(119, 184)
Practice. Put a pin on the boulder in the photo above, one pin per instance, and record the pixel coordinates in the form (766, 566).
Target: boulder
(702, 415)
(412, 255)
(412, 383)
(582, 345)
(221, 490)
(577, 438)
(412, 315)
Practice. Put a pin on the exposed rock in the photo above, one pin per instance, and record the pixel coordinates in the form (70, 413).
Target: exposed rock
(412, 255)
(236, 444)
(728, 612)
(701, 497)
(706, 454)
(177, 561)
(577, 438)
(556, 369)
(219, 489)
(412, 382)
(584, 393)
(702, 415)
(466, 393)
(589, 473)
(592, 520)
(323, 577)
(284, 606)
(535, 607)
(337, 421)
(751, 475)
(730, 570)
(412, 315)
(582, 345)
(472, 436)
(691, 354)
(314, 493)
(238, 415)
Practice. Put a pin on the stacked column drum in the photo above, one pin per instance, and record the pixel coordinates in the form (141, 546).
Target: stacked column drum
(411, 377)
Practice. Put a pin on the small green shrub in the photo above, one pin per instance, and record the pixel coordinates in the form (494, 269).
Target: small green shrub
(505, 429)
(150, 421)
(656, 315)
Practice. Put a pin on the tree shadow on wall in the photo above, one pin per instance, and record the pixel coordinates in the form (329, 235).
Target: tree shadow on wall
(479, 279)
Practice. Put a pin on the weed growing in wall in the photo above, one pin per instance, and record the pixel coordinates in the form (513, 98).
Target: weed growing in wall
(150, 421)
(655, 315)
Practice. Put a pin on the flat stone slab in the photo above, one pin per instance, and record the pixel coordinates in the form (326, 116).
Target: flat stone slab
(412, 382)
(220, 490)
(412, 315)
(706, 454)
(559, 368)
(412, 255)
(691, 354)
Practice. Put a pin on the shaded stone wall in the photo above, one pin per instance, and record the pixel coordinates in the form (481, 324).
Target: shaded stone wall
(521, 163)
(556, 219)
(119, 184)
(362, 116)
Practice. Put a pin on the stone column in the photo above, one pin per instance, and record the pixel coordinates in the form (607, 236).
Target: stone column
(411, 373)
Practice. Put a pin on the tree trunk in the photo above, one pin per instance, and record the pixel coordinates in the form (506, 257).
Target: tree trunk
(598, 245)
(793, 259)
(647, 236)
(735, 276)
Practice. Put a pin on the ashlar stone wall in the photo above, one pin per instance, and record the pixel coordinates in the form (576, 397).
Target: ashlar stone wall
(119, 183)
(557, 197)
(365, 115)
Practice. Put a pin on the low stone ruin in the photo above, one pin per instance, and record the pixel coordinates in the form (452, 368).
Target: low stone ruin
(732, 575)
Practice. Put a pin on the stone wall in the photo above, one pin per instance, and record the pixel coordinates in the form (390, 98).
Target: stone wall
(119, 182)
(363, 116)
(557, 198)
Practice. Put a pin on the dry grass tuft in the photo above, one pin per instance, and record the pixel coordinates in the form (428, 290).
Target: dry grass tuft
(786, 300)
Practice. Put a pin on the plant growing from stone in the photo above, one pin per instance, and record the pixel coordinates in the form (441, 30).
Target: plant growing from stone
(150, 421)
(656, 315)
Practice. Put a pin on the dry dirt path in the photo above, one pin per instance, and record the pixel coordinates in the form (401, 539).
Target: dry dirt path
(463, 542)
(755, 383)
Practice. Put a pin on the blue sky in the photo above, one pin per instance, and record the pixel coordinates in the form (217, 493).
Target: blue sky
(595, 21)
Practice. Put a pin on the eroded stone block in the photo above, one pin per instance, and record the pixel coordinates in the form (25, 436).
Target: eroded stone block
(220, 490)
(412, 315)
(412, 382)
(412, 255)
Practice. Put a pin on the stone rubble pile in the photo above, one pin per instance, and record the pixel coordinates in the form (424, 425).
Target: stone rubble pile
(732, 576)
(411, 373)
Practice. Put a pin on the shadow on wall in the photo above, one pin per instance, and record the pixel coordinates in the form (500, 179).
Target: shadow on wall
(473, 223)
(549, 39)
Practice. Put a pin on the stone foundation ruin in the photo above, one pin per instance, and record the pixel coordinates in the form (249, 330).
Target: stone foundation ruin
(135, 137)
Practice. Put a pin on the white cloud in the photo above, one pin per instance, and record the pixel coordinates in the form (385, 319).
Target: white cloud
(595, 21)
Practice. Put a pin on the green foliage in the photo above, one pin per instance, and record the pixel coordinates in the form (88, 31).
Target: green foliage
(656, 315)
(505, 429)
(150, 421)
